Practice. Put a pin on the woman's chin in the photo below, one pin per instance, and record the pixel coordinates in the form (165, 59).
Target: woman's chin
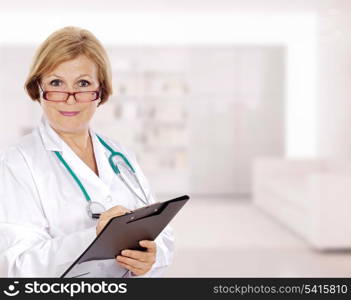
(71, 126)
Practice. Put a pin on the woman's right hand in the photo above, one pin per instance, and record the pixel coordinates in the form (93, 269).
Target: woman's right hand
(115, 211)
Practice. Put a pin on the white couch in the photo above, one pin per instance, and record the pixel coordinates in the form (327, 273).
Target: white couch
(310, 196)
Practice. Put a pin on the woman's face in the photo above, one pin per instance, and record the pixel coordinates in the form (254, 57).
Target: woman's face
(76, 75)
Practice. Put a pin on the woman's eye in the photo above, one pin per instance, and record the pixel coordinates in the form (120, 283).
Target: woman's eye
(83, 83)
(55, 82)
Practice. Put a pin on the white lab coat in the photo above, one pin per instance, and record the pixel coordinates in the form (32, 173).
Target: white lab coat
(44, 224)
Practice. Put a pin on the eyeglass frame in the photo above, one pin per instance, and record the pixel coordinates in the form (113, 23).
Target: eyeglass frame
(97, 93)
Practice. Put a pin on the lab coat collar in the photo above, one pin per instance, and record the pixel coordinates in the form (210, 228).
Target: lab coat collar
(53, 142)
(50, 138)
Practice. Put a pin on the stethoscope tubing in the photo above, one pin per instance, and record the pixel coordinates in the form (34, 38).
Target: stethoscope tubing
(117, 172)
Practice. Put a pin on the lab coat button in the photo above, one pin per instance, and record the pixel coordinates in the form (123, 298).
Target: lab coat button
(108, 198)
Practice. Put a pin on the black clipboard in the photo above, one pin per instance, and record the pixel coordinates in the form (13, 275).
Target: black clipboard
(124, 232)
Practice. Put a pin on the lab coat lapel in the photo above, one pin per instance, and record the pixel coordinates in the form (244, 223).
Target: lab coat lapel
(102, 154)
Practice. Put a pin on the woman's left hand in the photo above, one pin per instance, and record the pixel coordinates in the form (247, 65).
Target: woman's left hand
(138, 262)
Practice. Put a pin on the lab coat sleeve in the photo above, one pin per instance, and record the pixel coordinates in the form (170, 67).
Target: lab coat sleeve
(26, 247)
(164, 241)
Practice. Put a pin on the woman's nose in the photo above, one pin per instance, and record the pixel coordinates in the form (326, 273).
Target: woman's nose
(71, 100)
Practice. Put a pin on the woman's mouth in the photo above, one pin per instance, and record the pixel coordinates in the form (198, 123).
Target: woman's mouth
(69, 113)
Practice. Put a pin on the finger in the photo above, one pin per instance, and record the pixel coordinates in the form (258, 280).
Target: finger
(139, 255)
(136, 271)
(107, 215)
(150, 245)
(131, 261)
(116, 209)
(120, 208)
(103, 222)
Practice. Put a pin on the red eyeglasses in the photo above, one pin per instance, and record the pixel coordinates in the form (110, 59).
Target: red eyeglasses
(58, 96)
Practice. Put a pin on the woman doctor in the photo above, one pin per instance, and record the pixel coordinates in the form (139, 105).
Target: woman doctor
(54, 178)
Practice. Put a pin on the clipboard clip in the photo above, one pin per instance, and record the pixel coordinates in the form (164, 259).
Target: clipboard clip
(133, 218)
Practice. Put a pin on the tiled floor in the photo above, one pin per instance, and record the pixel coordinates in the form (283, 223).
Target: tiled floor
(233, 238)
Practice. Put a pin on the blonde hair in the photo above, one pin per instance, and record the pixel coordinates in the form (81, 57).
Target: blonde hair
(63, 45)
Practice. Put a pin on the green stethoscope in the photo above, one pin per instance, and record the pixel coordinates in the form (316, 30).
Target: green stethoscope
(96, 208)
